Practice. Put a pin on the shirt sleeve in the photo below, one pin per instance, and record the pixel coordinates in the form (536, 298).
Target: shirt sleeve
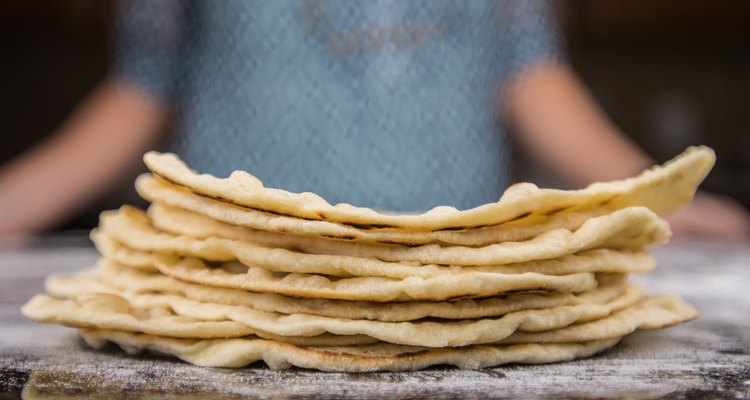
(532, 36)
(148, 39)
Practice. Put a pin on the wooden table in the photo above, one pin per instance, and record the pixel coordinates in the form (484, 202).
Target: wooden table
(707, 358)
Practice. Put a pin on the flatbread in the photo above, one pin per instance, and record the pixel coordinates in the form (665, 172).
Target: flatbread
(662, 189)
(116, 251)
(186, 223)
(103, 311)
(599, 260)
(629, 228)
(180, 221)
(158, 191)
(440, 288)
(173, 218)
(106, 311)
(193, 319)
(237, 353)
(652, 312)
(111, 278)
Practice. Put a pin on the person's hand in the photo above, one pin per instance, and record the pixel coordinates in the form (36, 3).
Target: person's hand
(712, 215)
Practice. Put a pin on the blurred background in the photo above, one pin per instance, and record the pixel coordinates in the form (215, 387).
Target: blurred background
(670, 73)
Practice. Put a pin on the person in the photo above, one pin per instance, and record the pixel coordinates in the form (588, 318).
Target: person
(393, 105)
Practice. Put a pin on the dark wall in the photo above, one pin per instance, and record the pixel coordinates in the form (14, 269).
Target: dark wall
(671, 73)
(53, 53)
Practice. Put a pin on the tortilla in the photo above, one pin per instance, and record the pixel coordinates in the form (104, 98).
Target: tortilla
(116, 251)
(599, 261)
(272, 229)
(177, 316)
(440, 288)
(106, 311)
(625, 229)
(237, 353)
(111, 278)
(158, 191)
(186, 223)
(652, 312)
(662, 189)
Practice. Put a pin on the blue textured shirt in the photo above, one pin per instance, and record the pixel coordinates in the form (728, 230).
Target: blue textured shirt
(385, 104)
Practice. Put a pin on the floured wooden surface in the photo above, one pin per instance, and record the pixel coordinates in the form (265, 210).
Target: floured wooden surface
(707, 358)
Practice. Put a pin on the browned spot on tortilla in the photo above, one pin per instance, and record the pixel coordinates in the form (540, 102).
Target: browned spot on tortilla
(453, 228)
(502, 295)
(607, 201)
(463, 228)
(367, 227)
(162, 177)
(555, 211)
(520, 217)
(272, 212)
(398, 243)
(344, 237)
(464, 297)
(656, 183)
(435, 320)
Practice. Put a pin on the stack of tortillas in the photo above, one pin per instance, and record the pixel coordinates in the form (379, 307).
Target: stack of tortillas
(226, 272)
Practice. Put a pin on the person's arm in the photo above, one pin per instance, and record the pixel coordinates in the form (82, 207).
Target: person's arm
(558, 122)
(62, 175)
